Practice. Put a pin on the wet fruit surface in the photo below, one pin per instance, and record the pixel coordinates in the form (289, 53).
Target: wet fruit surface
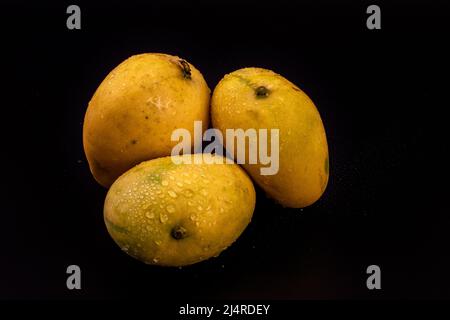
(178, 214)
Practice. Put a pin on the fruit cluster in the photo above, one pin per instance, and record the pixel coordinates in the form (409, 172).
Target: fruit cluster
(176, 210)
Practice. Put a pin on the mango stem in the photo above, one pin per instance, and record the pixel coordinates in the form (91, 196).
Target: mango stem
(185, 68)
(262, 92)
(178, 233)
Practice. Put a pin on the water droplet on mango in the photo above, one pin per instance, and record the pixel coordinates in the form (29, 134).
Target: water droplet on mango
(163, 217)
(172, 194)
(170, 208)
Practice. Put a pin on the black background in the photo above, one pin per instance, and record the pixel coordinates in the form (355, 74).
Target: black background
(382, 95)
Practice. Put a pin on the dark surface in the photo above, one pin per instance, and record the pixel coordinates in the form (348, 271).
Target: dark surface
(382, 96)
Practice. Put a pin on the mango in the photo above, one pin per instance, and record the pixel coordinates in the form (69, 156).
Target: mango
(261, 99)
(133, 112)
